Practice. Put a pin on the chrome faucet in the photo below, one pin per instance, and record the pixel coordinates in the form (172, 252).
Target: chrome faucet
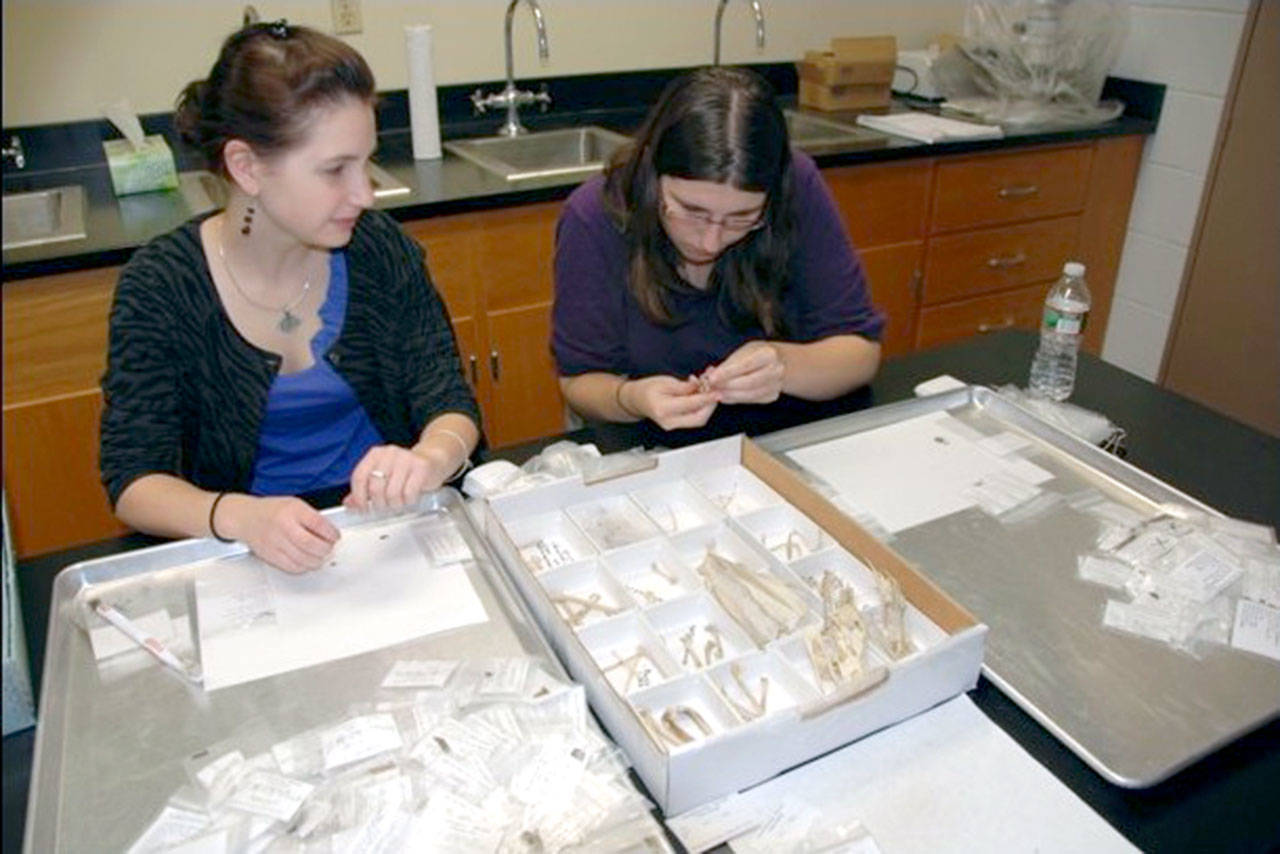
(511, 97)
(755, 10)
(13, 151)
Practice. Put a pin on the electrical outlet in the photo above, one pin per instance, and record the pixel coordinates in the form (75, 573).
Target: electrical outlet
(346, 17)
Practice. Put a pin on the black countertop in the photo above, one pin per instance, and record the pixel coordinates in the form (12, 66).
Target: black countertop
(1223, 802)
(71, 154)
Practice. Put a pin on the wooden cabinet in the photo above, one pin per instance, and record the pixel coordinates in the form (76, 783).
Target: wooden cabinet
(958, 246)
(494, 270)
(55, 345)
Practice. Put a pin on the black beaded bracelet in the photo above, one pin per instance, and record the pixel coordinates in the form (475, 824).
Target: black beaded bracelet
(213, 508)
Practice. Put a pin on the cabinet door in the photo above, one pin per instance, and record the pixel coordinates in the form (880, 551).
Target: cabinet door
(467, 333)
(894, 274)
(957, 320)
(451, 257)
(55, 333)
(56, 499)
(881, 204)
(525, 400)
(515, 248)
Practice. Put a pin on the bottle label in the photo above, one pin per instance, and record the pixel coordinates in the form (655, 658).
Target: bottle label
(1066, 322)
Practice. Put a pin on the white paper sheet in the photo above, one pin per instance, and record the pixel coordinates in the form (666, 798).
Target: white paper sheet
(946, 780)
(914, 471)
(378, 589)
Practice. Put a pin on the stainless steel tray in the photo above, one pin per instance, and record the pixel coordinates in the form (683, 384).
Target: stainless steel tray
(110, 742)
(1136, 711)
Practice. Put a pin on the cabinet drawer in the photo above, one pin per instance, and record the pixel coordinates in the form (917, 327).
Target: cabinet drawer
(978, 262)
(957, 320)
(1008, 187)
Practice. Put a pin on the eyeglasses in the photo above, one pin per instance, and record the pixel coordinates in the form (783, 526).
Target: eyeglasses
(703, 220)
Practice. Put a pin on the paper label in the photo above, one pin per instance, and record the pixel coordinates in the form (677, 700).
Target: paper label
(1104, 570)
(1005, 443)
(171, 826)
(505, 676)
(107, 640)
(422, 673)
(714, 823)
(217, 775)
(273, 795)
(445, 544)
(1204, 575)
(549, 552)
(1257, 629)
(359, 738)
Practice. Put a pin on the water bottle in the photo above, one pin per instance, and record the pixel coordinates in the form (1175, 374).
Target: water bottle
(1053, 370)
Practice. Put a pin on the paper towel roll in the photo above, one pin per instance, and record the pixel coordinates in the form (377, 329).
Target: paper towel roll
(424, 115)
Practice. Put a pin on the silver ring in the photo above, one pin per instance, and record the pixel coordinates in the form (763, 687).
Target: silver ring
(378, 473)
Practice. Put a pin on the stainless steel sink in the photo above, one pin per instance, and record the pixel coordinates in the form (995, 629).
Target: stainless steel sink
(572, 151)
(809, 131)
(43, 216)
(204, 191)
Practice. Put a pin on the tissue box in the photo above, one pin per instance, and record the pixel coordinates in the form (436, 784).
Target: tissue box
(140, 170)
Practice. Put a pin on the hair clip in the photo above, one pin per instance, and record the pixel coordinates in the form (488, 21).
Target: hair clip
(279, 29)
(678, 732)
(576, 609)
(686, 640)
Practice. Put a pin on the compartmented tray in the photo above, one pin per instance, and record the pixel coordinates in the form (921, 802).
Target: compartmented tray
(1135, 710)
(112, 735)
(708, 686)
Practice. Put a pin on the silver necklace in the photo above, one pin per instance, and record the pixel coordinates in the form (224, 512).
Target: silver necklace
(288, 320)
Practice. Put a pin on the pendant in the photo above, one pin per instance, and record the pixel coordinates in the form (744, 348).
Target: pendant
(288, 322)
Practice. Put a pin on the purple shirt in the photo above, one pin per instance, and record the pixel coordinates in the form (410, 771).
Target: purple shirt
(598, 326)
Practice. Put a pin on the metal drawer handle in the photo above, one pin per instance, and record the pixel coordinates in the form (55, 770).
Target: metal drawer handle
(1007, 323)
(1007, 261)
(1018, 191)
(475, 370)
(495, 366)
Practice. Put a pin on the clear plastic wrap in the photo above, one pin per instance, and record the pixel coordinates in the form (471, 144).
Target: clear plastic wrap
(1035, 61)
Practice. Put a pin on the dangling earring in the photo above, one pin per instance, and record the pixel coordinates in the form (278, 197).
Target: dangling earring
(248, 221)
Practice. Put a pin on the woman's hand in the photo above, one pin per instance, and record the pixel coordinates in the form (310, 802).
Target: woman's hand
(390, 477)
(752, 374)
(669, 402)
(285, 532)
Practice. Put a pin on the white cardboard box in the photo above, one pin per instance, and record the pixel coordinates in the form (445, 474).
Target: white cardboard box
(727, 494)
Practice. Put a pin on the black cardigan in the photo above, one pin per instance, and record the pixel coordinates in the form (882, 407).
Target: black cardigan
(185, 394)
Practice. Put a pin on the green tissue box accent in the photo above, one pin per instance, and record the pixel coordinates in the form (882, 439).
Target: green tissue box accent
(143, 169)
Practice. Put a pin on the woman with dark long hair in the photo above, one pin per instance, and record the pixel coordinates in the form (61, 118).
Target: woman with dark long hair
(705, 283)
(289, 346)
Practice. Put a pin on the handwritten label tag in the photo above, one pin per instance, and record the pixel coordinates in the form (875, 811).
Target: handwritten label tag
(421, 673)
(273, 795)
(359, 738)
(1257, 629)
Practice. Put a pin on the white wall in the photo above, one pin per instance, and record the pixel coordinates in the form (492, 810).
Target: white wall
(63, 58)
(1190, 45)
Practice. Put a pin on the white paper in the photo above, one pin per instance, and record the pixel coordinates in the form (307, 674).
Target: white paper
(931, 461)
(107, 640)
(710, 824)
(358, 738)
(425, 673)
(1257, 628)
(445, 544)
(1004, 443)
(945, 780)
(171, 826)
(272, 795)
(377, 590)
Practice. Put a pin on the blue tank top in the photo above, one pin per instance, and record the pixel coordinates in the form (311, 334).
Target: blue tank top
(314, 431)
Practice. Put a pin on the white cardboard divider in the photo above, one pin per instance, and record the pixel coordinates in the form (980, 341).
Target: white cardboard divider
(680, 778)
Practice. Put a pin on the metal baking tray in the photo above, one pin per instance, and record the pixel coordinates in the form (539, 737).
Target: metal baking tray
(1135, 710)
(111, 738)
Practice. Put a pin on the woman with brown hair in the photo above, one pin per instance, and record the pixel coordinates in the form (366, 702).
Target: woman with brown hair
(290, 344)
(705, 284)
